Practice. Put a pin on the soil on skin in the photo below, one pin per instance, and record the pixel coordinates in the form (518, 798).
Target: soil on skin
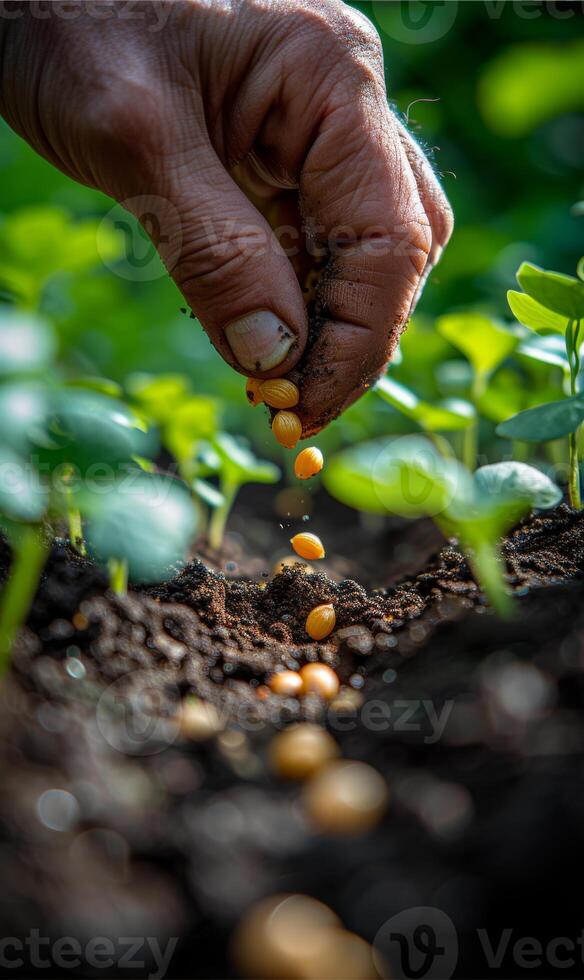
(481, 743)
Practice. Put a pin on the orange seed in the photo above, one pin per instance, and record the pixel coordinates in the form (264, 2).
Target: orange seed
(308, 546)
(252, 391)
(319, 679)
(308, 463)
(321, 621)
(287, 683)
(301, 750)
(279, 393)
(287, 428)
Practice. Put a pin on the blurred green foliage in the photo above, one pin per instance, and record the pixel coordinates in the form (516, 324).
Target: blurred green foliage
(492, 94)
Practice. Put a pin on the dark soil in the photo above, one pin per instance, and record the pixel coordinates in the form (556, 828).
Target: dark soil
(480, 736)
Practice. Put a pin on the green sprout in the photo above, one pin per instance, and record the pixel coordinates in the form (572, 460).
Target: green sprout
(74, 453)
(408, 477)
(552, 302)
(485, 343)
(237, 466)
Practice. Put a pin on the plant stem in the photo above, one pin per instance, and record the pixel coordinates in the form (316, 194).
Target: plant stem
(29, 555)
(118, 575)
(574, 482)
(470, 446)
(486, 562)
(76, 532)
(573, 352)
(221, 513)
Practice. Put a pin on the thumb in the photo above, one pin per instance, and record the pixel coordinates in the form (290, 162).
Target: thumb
(231, 269)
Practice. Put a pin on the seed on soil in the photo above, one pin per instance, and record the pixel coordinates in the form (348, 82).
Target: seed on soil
(199, 720)
(319, 679)
(346, 798)
(287, 428)
(287, 683)
(308, 463)
(279, 393)
(308, 546)
(301, 750)
(252, 391)
(321, 621)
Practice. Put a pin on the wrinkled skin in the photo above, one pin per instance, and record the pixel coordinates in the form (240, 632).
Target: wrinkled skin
(245, 115)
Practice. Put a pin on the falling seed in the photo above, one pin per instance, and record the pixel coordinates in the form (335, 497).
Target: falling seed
(346, 798)
(319, 679)
(308, 546)
(308, 463)
(279, 393)
(287, 429)
(301, 750)
(252, 391)
(286, 683)
(321, 621)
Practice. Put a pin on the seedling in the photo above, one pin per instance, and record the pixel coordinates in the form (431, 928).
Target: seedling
(485, 343)
(70, 453)
(189, 426)
(553, 302)
(407, 476)
(236, 466)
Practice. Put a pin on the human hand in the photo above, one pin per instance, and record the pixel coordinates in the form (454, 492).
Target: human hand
(234, 119)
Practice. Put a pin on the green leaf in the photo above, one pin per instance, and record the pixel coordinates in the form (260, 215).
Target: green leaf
(239, 465)
(518, 480)
(549, 349)
(557, 292)
(45, 241)
(27, 344)
(23, 407)
(148, 521)
(91, 432)
(208, 493)
(403, 476)
(23, 496)
(482, 340)
(105, 386)
(546, 422)
(158, 394)
(432, 418)
(532, 314)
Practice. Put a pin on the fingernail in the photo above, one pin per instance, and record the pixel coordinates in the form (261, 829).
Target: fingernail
(259, 341)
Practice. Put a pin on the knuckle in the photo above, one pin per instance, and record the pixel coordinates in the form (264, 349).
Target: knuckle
(208, 259)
